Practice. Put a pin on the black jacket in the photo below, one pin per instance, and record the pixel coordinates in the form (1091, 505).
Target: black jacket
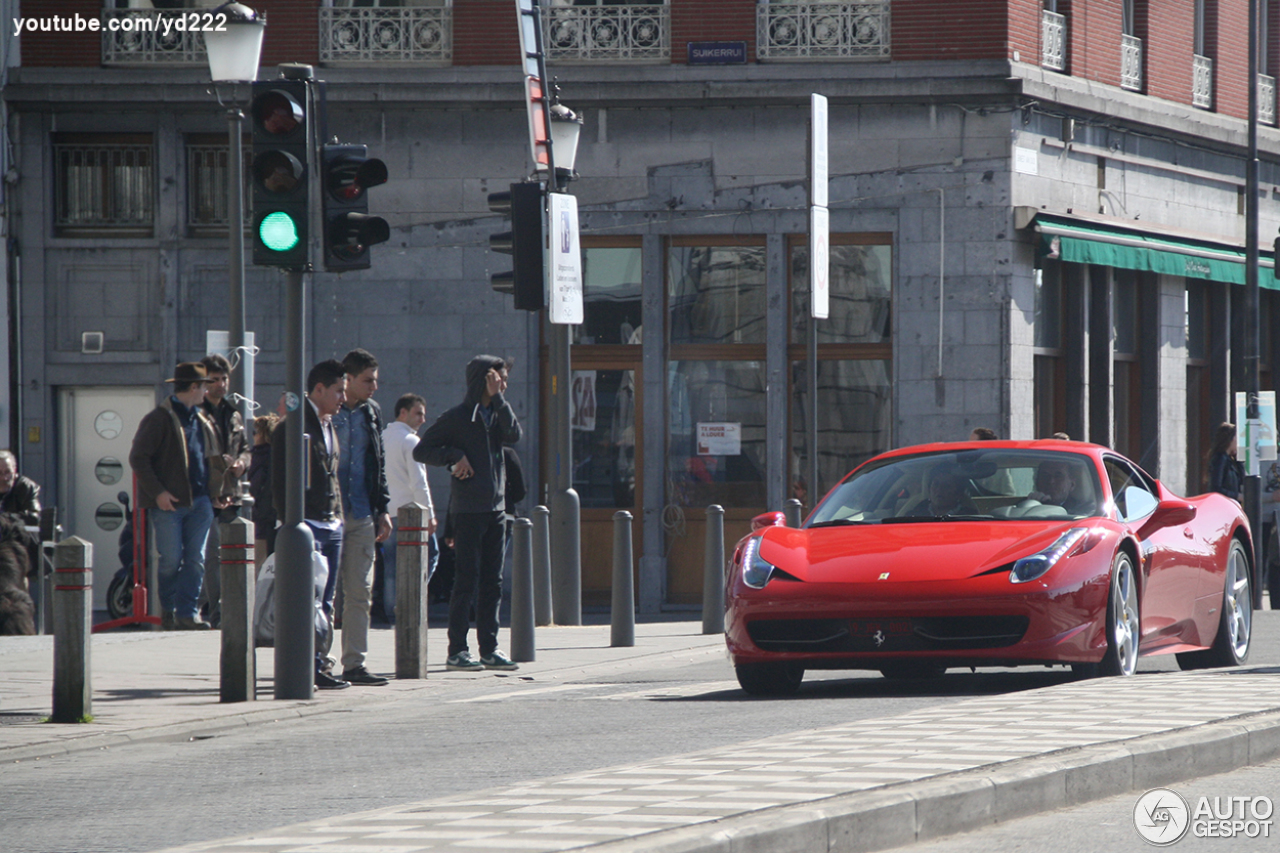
(1226, 475)
(461, 431)
(23, 499)
(323, 499)
(264, 510)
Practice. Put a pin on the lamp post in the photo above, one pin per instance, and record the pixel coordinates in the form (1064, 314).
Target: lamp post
(233, 54)
(564, 128)
(1252, 355)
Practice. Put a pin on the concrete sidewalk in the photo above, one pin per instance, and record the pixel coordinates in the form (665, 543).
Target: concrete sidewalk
(150, 685)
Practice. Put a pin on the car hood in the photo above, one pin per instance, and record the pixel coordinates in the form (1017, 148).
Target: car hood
(919, 551)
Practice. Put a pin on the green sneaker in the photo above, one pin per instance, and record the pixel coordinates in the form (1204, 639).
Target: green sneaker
(498, 660)
(463, 662)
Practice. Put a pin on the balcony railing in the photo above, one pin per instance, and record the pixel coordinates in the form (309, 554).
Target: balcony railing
(823, 30)
(1053, 40)
(1131, 63)
(607, 33)
(1201, 82)
(408, 34)
(150, 37)
(1266, 99)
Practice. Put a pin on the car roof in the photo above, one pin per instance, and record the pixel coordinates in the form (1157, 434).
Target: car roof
(1051, 444)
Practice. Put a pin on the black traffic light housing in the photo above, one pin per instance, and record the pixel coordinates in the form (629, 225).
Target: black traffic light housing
(526, 242)
(346, 173)
(280, 113)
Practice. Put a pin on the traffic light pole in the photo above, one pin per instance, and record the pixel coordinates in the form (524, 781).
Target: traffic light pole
(566, 535)
(1252, 350)
(294, 584)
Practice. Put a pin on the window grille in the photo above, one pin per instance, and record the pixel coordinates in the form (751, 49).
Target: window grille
(823, 30)
(618, 33)
(1053, 40)
(1131, 63)
(1202, 82)
(418, 34)
(152, 37)
(104, 185)
(207, 186)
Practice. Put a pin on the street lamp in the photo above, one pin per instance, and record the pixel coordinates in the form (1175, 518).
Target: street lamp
(564, 128)
(233, 55)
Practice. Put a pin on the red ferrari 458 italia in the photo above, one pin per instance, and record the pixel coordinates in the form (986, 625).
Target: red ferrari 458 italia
(991, 553)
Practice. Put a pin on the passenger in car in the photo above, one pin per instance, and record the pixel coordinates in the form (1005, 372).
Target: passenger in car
(1056, 484)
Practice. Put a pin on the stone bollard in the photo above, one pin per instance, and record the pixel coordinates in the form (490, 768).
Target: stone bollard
(523, 646)
(793, 510)
(541, 566)
(72, 625)
(713, 577)
(239, 666)
(413, 542)
(623, 609)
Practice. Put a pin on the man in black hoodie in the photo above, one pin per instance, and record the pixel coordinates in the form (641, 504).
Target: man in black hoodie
(468, 439)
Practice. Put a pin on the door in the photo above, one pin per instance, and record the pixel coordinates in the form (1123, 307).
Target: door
(95, 432)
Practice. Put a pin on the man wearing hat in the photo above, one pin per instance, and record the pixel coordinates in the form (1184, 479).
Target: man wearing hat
(176, 455)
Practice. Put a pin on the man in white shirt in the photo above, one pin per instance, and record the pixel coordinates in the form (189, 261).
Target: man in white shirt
(407, 483)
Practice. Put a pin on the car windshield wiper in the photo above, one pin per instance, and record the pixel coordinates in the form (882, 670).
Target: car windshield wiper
(838, 522)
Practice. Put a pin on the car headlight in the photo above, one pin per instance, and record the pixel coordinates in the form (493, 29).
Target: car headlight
(1034, 566)
(756, 571)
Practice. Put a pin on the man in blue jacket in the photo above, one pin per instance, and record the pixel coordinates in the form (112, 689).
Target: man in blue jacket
(468, 440)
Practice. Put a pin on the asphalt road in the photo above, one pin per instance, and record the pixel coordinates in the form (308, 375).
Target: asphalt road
(474, 735)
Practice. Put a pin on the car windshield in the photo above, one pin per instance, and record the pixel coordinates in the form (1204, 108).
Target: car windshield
(965, 485)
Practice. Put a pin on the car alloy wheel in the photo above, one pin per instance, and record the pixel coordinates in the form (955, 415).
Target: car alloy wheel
(1123, 624)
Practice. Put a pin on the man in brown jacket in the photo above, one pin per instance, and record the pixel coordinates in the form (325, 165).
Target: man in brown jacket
(177, 458)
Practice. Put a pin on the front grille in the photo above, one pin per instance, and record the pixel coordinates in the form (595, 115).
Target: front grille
(898, 634)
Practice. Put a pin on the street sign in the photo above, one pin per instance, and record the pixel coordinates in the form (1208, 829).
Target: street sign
(564, 260)
(528, 36)
(819, 218)
(818, 151)
(539, 130)
(820, 253)
(1256, 438)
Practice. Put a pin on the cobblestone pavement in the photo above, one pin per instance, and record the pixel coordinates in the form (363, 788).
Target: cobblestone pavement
(630, 802)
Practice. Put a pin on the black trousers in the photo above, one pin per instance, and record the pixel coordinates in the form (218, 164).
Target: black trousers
(478, 540)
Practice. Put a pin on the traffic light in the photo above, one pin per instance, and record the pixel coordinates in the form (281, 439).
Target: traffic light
(281, 172)
(346, 172)
(525, 242)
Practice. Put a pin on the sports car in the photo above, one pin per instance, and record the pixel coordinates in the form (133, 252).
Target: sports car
(991, 553)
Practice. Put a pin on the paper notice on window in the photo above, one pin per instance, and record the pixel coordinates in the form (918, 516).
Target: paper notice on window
(719, 439)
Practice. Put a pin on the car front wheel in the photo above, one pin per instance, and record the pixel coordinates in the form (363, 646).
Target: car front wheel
(1123, 624)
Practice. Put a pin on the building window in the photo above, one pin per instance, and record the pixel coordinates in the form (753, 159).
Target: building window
(1202, 61)
(1131, 47)
(104, 183)
(606, 31)
(819, 29)
(1053, 37)
(207, 183)
(1199, 408)
(1049, 389)
(855, 360)
(368, 31)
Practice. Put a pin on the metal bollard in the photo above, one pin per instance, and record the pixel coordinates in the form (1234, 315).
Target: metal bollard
(413, 542)
(793, 510)
(623, 610)
(238, 669)
(523, 647)
(72, 625)
(713, 573)
(541, 566)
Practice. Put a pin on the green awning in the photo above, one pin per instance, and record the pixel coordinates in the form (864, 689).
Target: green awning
(1076, 242)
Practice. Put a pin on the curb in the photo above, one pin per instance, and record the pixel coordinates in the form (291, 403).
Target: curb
(297, 709)
(912, 812)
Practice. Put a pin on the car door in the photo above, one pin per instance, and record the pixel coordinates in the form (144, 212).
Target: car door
(1170, 570)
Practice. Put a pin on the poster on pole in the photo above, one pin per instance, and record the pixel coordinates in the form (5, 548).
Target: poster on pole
(564, 260)
(1256, 438)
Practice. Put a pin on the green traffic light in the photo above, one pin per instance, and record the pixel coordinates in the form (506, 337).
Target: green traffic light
(278, 231)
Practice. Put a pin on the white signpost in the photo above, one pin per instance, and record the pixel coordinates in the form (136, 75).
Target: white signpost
(564, 260)
(1256, 438)
(819, 224)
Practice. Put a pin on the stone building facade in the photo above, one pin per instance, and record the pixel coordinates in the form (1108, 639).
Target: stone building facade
(1037, 218)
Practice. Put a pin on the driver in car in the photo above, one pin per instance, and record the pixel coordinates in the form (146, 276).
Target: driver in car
(1055, 484)
(947, 496)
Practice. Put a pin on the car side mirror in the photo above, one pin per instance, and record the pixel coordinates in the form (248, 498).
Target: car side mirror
(1169, 513)
(768, 519)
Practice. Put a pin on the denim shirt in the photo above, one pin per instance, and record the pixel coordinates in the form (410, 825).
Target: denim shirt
(197, 465)
(352, 428)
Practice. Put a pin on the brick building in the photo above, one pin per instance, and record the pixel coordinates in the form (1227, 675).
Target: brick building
(1037, 216)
